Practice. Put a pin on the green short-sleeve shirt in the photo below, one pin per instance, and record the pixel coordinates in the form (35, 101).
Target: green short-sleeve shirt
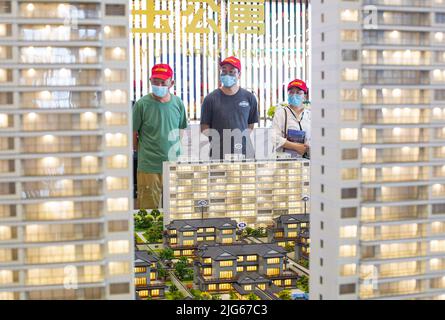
(158, 127)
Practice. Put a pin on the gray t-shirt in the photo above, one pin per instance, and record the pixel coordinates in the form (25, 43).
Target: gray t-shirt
(221, 111)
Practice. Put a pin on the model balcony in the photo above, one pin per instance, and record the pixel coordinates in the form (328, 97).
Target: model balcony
(395, 174)
(59, 32)
(59, 100)
(59, 77)
(63, 210)
(61, 189)
(394, 135)
(395, 194)
(399, 213)
(394, 251)
(370, 234)
(60, 122)
(401, 3)
(396, 57)
(68, 232)
(393, 270)
(57, 144)
(57, 55)
(395, 77)
(60, 11)
(60, 257)
(397, 155)
(405, 287)
(392, 18)
(396, 38)
(386, 116)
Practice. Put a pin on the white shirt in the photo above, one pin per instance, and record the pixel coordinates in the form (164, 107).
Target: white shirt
(278, 124)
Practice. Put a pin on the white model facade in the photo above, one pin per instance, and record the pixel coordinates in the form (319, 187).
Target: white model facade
(253, 192)
(65, 172)
(378, 137)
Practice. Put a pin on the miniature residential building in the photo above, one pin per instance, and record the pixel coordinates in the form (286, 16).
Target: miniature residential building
(65, 148)
(291, 230)
(244, 268)
(184, 236)
(378, 226)
(146, 281)
(249, 191)
(302, 246)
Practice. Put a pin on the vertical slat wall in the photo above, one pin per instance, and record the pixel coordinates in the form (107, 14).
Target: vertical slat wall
(269, 61)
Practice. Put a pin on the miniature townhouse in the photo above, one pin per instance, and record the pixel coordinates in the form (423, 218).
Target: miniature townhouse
(146, 281)
(291, 230)
(243, 268)
(184, 236)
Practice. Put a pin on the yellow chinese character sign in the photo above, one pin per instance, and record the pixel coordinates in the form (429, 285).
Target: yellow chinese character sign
(203, 17)
(150, 13)
(246, 17)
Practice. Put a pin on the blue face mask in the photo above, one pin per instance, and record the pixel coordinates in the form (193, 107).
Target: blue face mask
(295, 100)
(228, 81)
(159, 91)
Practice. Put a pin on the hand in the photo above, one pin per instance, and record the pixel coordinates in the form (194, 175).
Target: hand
(301, 148)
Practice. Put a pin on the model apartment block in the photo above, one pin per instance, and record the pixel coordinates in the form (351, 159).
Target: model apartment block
(146, 277)
(378, 171)
(65, 193)
(253, 192)
(291, 230)
(224, 268)
(184, 236)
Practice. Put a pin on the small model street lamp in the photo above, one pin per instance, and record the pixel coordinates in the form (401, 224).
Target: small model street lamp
(202, 204)
(305, 198)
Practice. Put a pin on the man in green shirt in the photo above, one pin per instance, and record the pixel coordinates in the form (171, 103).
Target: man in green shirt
(157, 120)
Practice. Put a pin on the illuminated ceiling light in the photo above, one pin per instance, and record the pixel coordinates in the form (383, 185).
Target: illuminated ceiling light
(64, 73)
(30, 7)
(48, 138)
(32, 116)
(45, 95)
(439, 36)
(108, 115)
(107, 29)
(396, 170)
(107, 72)
(394, 34)
(49, 161)
(406, 149)
(31, 72)
(396, 131)
(396, 112)
(437, 112)
(397, 93)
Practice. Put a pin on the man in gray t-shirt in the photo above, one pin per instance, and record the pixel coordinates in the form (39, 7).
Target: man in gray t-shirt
(232, 112)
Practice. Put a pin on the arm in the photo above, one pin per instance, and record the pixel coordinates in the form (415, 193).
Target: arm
(206, 115)
(253, 115)
(137, 124)
(204, 127)
(135, 141)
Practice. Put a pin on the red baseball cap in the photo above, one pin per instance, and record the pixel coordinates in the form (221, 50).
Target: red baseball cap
(162, 71)
(298, 84)
(232, 61)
